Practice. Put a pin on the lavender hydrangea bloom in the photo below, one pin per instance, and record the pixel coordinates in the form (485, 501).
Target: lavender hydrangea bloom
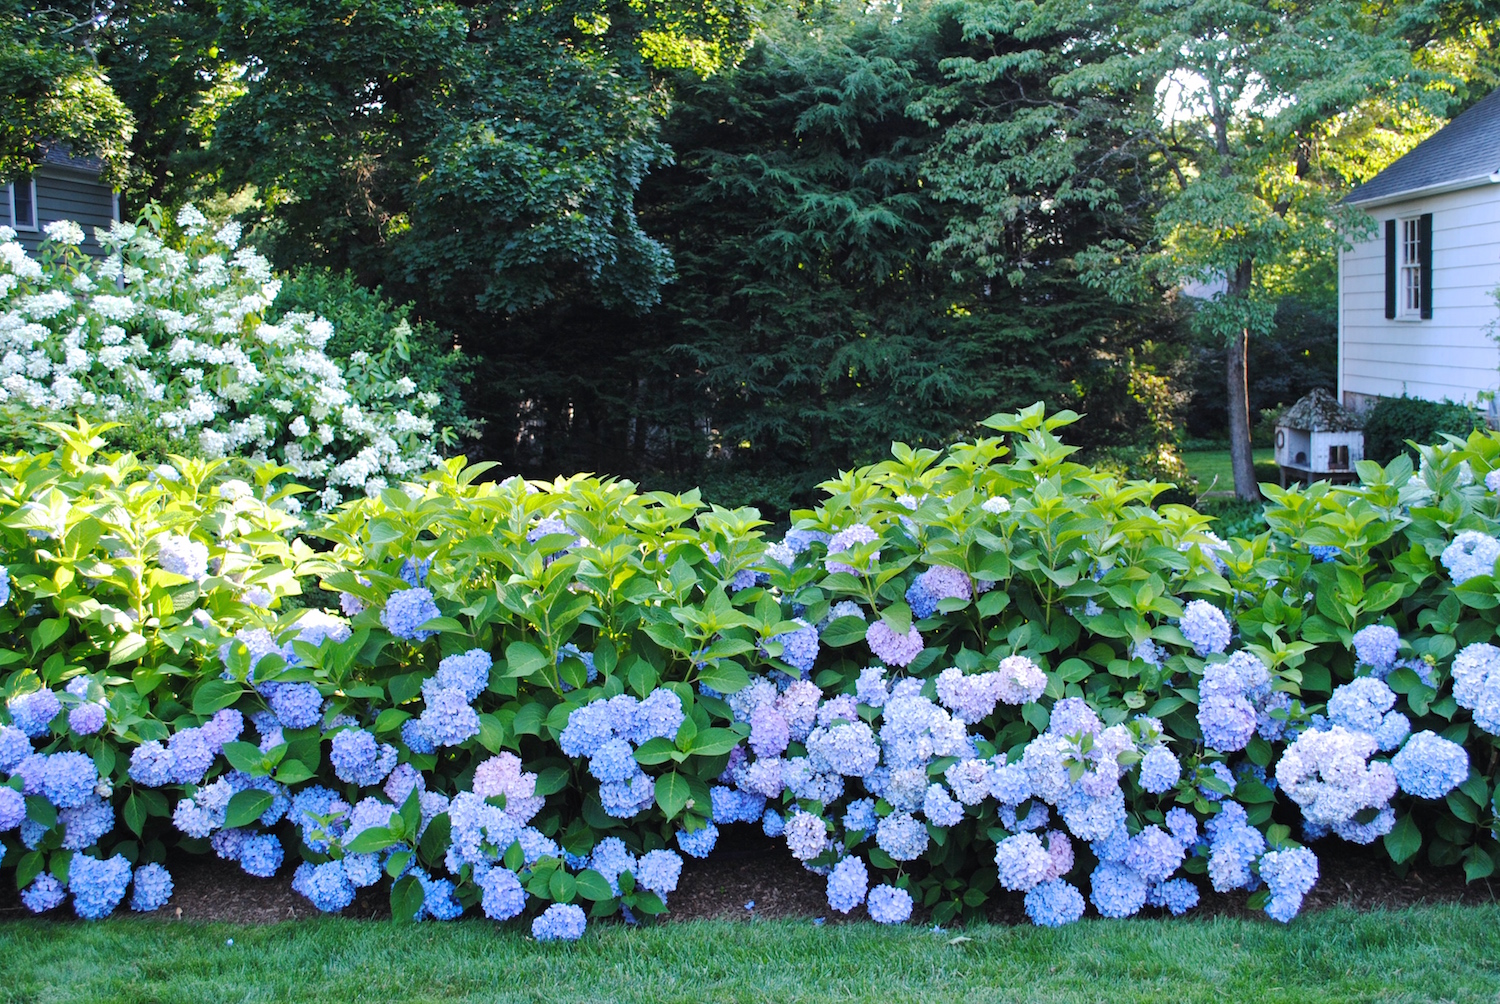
(1205, 627)
(888, 904)
(769, 731)
(871, 687)
(1326, 774)
(406, 611)
(1154, 854)
(1022, 861)
(845, 539)
(902, 836)
(1176, 895)
(806, 835)
(153, 888)
(1234, 845)
(87, 718)
(4, 585)
(1117, 890)
(502, 896)
(847, 884)
(559, 922)
(1021, 681)
(298, 705)
(1360, 704)
(1228, 723)
(1428, 766)
(934, 585)
(1054, 903)
(658, 716)
(1470, 554)
(97, 886)
(152, 764)
(33, 713)
(891, 648)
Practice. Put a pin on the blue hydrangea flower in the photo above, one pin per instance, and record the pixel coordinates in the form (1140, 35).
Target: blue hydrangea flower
(799, 648)
(325, 885)
(940, 808)
(415, 736)
(68, 779)
(847, 884)
(97, 886)
(1234, 846)
(934, 585)
(298, 705)
(84, 824)
(1377, 646)
(358, 759)
(806, 835)
(468, 672)
(731, 805)
(1324, 552)
(261, 855)
(1428, 766)
(183, 556)
(1160, 770)
(14, 747)
(1359, 705)
(658, 871)
(700, 842)
(1117, 890)
(1022, 862)
(1289, 874)
(438, 899)
(658, 716)
(12, 808)
(1205, 627)
(502, 896)
(902, 836)
(772, 824)
(33, 713)
(153, 888)
(1228, 723)
(1177, 895)
(1471, 553)
(1476, 684)
(888, 904)
(614, 761)
(448, 719)
(559, 922)
(4, 585)
(45, 893)
(1054, 903)
(406, 611)
(1154, 854)
(414, 572)
(152, 765)
(871, 687)
(1182, 825)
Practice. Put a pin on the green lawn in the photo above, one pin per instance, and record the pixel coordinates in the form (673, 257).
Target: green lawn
(1441, 953)
(1206, 464)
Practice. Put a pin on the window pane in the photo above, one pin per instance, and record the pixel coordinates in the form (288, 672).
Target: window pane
(25, 207)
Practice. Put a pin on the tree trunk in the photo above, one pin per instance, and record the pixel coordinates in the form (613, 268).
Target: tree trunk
(1242, 460)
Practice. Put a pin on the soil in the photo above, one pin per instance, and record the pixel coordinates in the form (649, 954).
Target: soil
(752, 876)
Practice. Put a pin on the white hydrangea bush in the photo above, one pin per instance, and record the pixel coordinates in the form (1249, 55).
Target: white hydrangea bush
(171, 333)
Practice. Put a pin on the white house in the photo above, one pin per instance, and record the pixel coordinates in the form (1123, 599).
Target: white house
(1417, 302)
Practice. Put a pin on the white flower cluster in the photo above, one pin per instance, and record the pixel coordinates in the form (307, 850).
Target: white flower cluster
(175, 337)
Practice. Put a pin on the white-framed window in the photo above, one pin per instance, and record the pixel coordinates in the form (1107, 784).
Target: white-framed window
(1409, 268)
(22, 196)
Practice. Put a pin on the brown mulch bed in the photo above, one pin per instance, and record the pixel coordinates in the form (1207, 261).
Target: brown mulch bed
(748, 868)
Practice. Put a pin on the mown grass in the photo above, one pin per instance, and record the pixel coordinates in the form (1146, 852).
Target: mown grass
(1440, 953)
(1206, 465)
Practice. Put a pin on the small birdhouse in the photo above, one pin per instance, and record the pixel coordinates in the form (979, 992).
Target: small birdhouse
(1319, 438)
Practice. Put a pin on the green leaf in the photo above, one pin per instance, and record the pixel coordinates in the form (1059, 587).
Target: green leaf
(294, 772)
(523, 659)
(407, 898)
(435, 838)
(672, 794)
(397, 863)
(562, 886)
(246, 757)
(1404, 840)
(491, 733)
(593, 886)
(712, 742)
(215, 695)
(41, 811)
(844, 631)
(897, 617)
(655, 751)
(135, 814)
(376, 838)
(28, 868)
(246, 807)
(725, 677)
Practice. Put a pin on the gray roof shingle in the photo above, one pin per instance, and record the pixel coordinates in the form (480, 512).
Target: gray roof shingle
(1466, 149)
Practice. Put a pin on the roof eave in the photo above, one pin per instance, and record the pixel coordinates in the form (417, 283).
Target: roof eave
(1493, 178)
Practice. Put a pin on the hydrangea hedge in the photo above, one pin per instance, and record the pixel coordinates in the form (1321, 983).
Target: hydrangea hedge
(963, 675)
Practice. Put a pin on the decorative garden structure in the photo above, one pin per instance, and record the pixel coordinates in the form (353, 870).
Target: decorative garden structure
(1317, 437)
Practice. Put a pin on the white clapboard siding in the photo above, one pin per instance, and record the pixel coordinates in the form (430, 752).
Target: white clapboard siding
(67, 194)
(1452, 355)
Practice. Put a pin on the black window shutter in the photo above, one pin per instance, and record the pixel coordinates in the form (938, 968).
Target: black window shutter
(1424, 239)
(1390, 268)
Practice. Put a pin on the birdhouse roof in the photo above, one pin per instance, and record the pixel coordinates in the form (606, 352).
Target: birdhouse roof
(1319, 412)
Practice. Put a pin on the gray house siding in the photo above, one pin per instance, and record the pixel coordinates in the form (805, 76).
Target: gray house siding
(65, 192)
